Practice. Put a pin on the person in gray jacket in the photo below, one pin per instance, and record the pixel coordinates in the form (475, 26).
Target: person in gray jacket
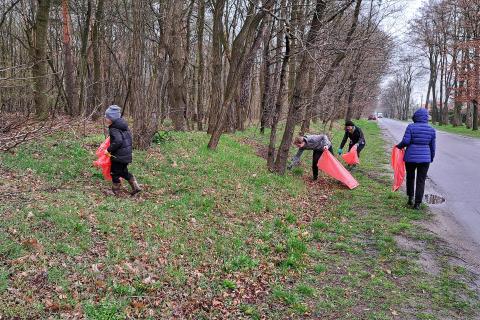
(316, 142)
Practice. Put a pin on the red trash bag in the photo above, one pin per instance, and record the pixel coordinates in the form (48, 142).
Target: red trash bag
(332, 167)
(398, 166)
(104, 162)
(351, 157)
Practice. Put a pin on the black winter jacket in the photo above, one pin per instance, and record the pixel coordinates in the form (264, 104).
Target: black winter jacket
(120, 141)
(355, 137)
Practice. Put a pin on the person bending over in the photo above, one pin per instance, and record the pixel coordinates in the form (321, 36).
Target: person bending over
(316, 142)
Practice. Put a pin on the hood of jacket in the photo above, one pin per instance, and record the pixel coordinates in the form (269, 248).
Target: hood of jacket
(421, 115)
(120, 124)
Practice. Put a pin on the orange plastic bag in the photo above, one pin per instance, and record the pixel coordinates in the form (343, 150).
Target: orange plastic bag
(351, 157)
(398, 166)
(332, 167)
(104, 162)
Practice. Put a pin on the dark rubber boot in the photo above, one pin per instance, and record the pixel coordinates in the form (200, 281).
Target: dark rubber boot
(410, 201)
(416, 206)
(134, 184)
(116, 189)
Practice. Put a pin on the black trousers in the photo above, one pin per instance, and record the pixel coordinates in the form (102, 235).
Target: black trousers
(119, 170)
(421, 170)
(359, 149)
(316, 156)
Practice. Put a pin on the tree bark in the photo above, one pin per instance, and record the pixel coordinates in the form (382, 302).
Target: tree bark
(97, 71)
(176, 52)
(70, 79)
(241, 49)
(217, 65)
(201, 64)
(39, 70)
(84, 59)
(278, 106)
(302, 77)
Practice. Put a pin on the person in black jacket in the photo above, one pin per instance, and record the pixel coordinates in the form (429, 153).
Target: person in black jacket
(356, 137)
(120, 149)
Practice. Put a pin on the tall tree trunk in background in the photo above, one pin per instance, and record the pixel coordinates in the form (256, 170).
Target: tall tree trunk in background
(201, 64)
(245, 90)
(242, 47)
(352, 80)
(267, 84)
(39, 70)
(84, 58)
(475, 116)
(300, 88)
(278, 106)
(97, 35)
(442, 74)
(468, 116)
(144, 120)
(70, 79)
(217, 65)
(176, 52)
(301, 82)
(310, 104)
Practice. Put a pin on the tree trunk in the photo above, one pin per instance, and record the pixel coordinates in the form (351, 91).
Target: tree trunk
(176, 52)
(468, 116)
(217, 65)
(144, 120)
(475, 116)
(84, 59)
(267, 84)
(242, 48)
(201, 64)
(302, 77)
(97, 71)
(278, 106)
(39, 70)
(70, 79)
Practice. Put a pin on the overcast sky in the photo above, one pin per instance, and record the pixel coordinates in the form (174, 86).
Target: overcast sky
(397, 26)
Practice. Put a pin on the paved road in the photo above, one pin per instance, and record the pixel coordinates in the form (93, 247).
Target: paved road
(454, 174)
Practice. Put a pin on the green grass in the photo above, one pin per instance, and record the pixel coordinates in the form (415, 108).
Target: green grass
(213, 235)
(461, 130)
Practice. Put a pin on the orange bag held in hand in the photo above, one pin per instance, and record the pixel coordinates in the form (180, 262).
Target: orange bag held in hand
(351, 157)
(398, 166)
(104, 162)
(332, 167)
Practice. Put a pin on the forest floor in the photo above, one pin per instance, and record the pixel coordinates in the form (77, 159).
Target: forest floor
(215, 236)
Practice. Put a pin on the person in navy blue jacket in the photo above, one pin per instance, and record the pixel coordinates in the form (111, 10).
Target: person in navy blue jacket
(419, 139)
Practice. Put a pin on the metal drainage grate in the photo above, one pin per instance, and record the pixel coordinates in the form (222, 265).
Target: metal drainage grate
(434, 199)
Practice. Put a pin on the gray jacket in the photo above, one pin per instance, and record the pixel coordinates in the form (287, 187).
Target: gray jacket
(312, 142)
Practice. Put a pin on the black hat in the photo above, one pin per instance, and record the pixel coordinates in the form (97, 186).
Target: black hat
(349, 123)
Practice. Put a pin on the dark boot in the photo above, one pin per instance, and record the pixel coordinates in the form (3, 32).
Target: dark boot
(116, 188)
(410, 201)
(416, 206)
(134, 184)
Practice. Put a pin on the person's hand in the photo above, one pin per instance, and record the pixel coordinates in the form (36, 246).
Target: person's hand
(340, 150)
(325, 148)
(356, 145)
(107, 153)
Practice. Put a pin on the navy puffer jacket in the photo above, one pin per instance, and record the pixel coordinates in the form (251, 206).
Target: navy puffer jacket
(419, 139)
(120, 141)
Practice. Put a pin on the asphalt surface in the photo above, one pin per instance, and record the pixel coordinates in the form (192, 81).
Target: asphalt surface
(454, 175)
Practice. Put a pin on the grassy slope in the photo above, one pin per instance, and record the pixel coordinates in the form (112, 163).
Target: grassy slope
(214, 235)
(461, 130)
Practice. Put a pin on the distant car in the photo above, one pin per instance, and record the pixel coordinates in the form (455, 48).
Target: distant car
(372, 117)
(380, 116)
